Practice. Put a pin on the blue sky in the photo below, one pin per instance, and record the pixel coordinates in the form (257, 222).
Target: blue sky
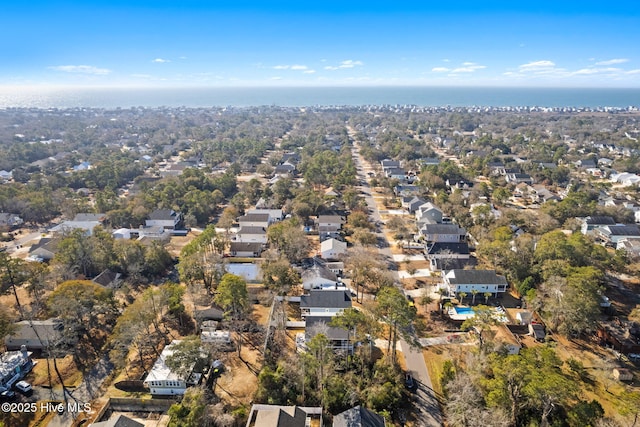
(320, 43)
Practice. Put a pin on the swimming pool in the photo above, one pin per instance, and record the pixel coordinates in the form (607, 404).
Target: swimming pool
(464, 310)
(464, 313)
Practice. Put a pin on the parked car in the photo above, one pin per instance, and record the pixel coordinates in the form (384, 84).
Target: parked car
(7, 395)
(410, 382)
(23, 387)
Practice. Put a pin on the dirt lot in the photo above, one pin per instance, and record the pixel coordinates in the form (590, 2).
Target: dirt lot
(67, 368)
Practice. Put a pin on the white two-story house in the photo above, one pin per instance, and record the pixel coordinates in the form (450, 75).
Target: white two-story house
(456, 281)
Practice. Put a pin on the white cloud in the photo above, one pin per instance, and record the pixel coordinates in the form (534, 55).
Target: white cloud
(81, 69)
(536, 65)
(468, 67)
(349, 63)
(161, 61)
(309, 71)
(590, 71)
(295, 67)
(613, 61)
(636, 71)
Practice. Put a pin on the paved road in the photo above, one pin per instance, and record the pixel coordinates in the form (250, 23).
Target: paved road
(426, 402)
(427, 408)
(85, 392)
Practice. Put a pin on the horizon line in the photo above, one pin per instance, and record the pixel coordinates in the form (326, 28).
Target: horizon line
(43, 86)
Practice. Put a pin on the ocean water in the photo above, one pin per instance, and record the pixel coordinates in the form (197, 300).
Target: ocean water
(320, 96)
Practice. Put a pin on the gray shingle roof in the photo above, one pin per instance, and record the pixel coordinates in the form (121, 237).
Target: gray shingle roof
(446, 247)
(358, 417)
(326, 298)
(478, 277)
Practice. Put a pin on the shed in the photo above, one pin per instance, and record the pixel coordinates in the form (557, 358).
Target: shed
(524, 317)
(622, 374)
(536, 330)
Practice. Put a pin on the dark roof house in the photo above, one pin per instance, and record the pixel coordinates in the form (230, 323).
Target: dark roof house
(358, 417)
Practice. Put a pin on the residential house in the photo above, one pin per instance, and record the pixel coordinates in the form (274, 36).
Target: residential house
(275, 215)
(9, 220)
(429, 161)
(612, 234)
(285, 169)
(331, 193)
(151, 233)
(496, 168)
(625, 179)
(547, 165)
(5, 176)
(44, 250)
(209, 314)
(458, 184)
(332, 249)
(586, 163)
(544, 195)
(82, 166)
(284, 416)
(162, 381)
(329, 226)
(605, 162)
(255, 220)
(120, 420)
(165, 218)
(210, 335)
(621, 335)
(406, 190)
(338, 337)
(358, 416)
(590, 223)
(68, 226)
(456, 281)
(396, 173)
(108, 279)
(447, 256)
(630, 246)
(14, 366)
(336, 267)
(390, 164)
(505, 339)
(428, 213)
(325, 303)
(412, 203)
(246, 249)
(291, 157)
(248, 234)
(121, 233)
(319, 277)
(517, 178)
(451, 233)
(100, 217)
(35, 335)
